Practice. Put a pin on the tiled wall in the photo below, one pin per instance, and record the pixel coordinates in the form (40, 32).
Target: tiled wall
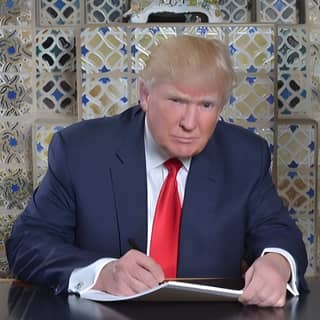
(63, 61)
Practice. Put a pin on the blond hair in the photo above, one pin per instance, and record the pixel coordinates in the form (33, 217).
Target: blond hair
(192, 60)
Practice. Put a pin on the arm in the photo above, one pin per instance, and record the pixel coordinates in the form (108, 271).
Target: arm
(41, 247)
(266, 281)
(134, 272)
(270, 226)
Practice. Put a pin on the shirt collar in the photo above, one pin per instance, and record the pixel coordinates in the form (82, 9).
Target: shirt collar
(155, 155)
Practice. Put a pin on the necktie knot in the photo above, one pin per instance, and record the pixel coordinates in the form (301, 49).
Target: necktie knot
(173, 165)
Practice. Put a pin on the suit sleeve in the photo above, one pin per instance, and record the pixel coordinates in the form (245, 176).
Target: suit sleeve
(269, 223)
(41, 246)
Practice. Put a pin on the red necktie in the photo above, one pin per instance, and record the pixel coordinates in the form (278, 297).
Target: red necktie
(166, 225)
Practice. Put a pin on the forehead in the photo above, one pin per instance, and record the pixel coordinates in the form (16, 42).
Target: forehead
(191, 89)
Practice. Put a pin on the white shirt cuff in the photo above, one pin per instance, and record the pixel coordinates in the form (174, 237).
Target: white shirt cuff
(292, 286)
(83, 279)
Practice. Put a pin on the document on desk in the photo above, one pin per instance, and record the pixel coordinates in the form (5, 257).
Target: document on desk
(172, 291)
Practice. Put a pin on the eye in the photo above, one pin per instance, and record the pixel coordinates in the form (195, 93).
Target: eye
(176, 100)
(207, 104)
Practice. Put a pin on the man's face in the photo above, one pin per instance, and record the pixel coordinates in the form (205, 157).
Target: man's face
(181, 118)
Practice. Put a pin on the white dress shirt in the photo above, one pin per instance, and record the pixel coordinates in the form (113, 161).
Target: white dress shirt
(83, 279)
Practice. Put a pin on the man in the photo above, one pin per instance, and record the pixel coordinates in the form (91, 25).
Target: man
(101, 194)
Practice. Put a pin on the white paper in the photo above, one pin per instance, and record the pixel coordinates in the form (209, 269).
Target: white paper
(171, 291)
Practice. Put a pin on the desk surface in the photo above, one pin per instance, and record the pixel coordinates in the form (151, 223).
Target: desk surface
(21, 301)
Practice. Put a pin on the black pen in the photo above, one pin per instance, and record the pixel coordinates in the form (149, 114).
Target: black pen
(133, 244)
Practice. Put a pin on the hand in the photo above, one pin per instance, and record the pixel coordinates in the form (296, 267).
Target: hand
(266, 281)
(134, 272)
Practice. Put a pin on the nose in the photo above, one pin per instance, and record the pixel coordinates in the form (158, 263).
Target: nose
(189, 117)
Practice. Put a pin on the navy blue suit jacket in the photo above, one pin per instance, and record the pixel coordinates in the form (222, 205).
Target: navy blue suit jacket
(94, 198)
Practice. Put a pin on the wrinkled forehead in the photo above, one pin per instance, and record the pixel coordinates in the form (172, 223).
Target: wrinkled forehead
(194, 80)
(195, 91)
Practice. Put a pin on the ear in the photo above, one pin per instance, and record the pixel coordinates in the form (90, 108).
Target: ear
(143, 95)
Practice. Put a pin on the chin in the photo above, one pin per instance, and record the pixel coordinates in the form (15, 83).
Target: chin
(184, 153)
(178, 150)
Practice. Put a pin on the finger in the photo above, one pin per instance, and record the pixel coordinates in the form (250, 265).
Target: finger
(115, 280)
(151, 266)
(129, 281)
(248, 277)
(254, 289)
(138, 285)
(145, 276)
(261, 295)
(247, 291)
(141, 271)
(122, 289)
(269, 297)
(279, 301)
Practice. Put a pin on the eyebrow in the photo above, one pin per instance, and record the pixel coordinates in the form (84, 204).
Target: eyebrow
(183, 96)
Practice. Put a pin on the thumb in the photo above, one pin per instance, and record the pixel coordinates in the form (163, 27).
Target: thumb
(248, 277)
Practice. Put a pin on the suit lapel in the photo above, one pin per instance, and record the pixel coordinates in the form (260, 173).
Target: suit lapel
(199, 203)
(128, 174)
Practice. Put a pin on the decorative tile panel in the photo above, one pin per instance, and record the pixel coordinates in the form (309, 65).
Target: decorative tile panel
(105, 11)
(15, 143)
(15, 188)
(104, 49)
(55, 50)
(134, 95)
(279, 11)
(15, 12)
(143, 39)
(59, 12)
(297, 178)
(15, 50)
(6, 223)
(252, 100)
(307, 225)
(315, 67)
(292, 52)
(103, 96)
(292, 93)
(297, 188)
(42, 135)
(206, 31)
(297, 145)
(56, 93)
(314, 11)
(252, 48)
(4, 269)
(15, 94)
(235, 10)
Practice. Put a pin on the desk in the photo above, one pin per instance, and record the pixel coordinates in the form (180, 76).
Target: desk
(22, 301)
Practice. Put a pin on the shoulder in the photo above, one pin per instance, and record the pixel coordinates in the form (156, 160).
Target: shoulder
(89, 138)
(236, 135)
(239, 144)
(106, 128)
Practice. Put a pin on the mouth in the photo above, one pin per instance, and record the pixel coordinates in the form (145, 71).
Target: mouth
(185, 140)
